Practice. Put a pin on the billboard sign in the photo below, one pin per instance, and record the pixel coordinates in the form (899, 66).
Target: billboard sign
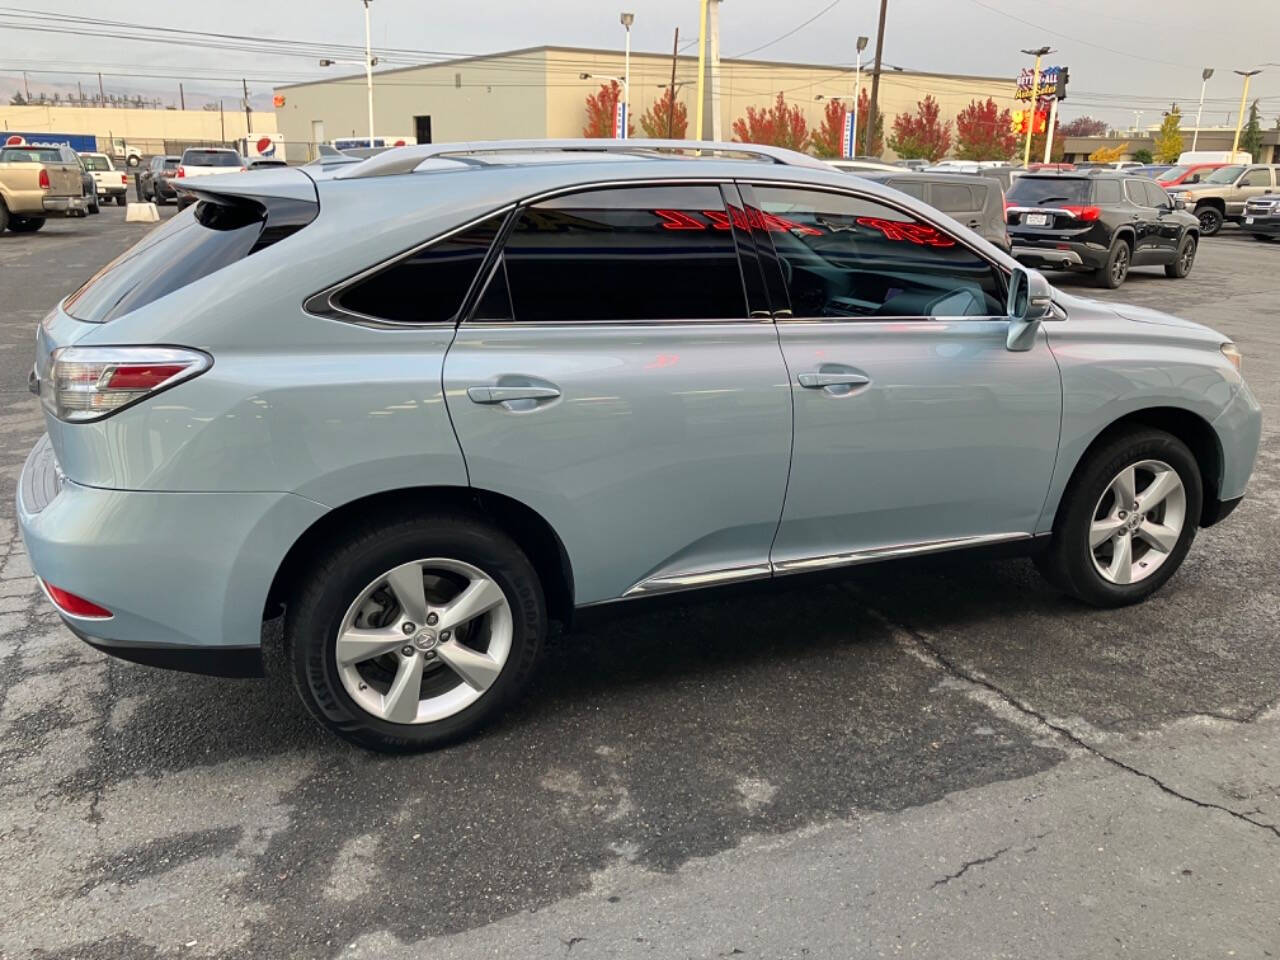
(80, 142)
(1048, 88)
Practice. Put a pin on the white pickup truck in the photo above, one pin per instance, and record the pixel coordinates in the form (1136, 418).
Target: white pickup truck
(201, 162)
(111, 184)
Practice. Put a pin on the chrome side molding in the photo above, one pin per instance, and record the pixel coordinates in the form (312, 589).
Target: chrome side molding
(669, 583)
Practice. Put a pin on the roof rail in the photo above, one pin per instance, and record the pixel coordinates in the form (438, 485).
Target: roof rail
(408, 159)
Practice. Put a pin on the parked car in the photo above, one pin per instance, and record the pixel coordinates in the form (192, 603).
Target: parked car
(203, 162)
(37, 182)
(1002, 173)
(421, 414)
(975, 201)
(1152, 170)
(154, 182)
(1262, 216)
(259, 163)
(88, 186)
(1187, 173)
(1055, 167)
(109, 183)
(863, 166)
(1099, 221)
(1221, 196)
(916, 163)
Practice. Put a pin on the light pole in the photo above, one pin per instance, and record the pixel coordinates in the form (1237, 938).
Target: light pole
(1244, 95)
(370, 61)
(1205, 74)
(852, 139)
(1035, 98)
(627, 19)
(626, 95)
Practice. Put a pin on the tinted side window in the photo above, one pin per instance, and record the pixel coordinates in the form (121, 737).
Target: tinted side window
(1106, 191)
(1155, 196)
(428, 285)
(1256, 177)
(649, 253)
(952, 197)
(849, 257)
(913, 188)
(1133, 190)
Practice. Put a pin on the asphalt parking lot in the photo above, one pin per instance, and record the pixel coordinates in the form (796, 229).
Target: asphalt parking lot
(929, 759)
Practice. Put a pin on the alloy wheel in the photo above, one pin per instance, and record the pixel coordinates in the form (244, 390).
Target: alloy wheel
(424, 641)
(1188, 257)
(1120, 266)
(1137, 522)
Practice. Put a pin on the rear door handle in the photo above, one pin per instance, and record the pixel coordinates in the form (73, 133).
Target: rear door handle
(507, 394)
(816, 381)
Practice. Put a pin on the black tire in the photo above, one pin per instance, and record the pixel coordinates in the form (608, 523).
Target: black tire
(1211, 219)
(1112, 273)
(94, 207)
(1068, 562)
(354, 560)
(1263, 237)
(121, 200)
(1184, 260)
(26, 224)
(4, 217)
(159, 198)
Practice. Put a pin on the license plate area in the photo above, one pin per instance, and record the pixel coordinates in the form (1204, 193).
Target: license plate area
(1036, 220)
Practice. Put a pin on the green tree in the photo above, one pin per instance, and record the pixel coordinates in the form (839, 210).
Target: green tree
(17, 100)
(1168, 144)
(1143, 156)
(1251, 139)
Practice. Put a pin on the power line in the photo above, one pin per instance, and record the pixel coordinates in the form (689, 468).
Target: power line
(791, 32)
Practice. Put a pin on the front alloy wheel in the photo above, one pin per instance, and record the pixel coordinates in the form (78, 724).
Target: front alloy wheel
(1137, 522)
(1210, 220)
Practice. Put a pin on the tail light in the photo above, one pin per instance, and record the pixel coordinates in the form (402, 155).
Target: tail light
(244, 169)
(44, 179)
(1083, 213)
(182, 171)
(89, 383)
(70, 604)
(124, 179)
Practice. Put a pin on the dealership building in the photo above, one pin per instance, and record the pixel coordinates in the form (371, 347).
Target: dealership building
(541, 92)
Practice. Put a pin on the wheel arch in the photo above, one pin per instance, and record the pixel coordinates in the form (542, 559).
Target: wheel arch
(1126, 234)
(1216, 202)
(1189, 427)
(534, 535)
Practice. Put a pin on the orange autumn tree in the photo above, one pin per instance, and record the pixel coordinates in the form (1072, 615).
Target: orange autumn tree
(665, 112)
(601, 107)
(827, 140)
(778, 125)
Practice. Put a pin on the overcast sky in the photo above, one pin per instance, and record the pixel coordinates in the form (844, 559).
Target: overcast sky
(1123, 56)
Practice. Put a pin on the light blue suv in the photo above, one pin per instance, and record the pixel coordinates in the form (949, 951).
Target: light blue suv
(425, 404)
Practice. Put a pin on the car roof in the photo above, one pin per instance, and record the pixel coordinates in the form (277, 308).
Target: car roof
(925, 176)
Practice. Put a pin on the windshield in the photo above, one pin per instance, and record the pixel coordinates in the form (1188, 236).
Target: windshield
(1039, 191)
(30, 155)
(1173, 173)
(92, 162)
(1224, 174)
(211, 158)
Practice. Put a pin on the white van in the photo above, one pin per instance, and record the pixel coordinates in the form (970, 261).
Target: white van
(1213, 156)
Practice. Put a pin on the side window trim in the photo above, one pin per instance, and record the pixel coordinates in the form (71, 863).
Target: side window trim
(746, 188)
(747, 243)
(324, 303)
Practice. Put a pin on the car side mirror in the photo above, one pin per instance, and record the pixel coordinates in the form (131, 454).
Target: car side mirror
(1179, 203)
(1030, 301)
(1195, 178)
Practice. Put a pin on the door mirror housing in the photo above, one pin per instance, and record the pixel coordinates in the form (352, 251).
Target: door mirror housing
(1030, 301)
(1179, 203)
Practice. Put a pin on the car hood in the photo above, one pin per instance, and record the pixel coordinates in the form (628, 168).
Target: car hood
(1137, 314)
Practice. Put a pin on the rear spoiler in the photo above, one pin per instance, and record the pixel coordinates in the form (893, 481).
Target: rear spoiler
(273, 183)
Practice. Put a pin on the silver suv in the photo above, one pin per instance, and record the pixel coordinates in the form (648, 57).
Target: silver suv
(423, 405)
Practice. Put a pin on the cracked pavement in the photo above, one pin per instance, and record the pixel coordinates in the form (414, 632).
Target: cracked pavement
(933, 758)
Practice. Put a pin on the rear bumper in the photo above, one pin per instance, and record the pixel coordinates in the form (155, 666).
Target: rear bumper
(185, 575)
(1058, 254)
(108, 191)
(64, 205)
(1268, 225)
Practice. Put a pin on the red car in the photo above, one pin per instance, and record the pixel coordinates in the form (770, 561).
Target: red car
(1187, 173)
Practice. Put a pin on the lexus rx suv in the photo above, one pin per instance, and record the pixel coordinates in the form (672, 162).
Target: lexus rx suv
(1100, 222)
(422, 406)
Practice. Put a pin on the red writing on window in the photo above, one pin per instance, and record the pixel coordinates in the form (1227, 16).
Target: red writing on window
(743, 220)
(920, 234)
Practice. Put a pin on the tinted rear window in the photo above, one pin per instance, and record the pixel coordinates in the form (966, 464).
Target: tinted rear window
(30, 155)
(171, 163)
(1046, 191)
(185, 249)
(211, 158)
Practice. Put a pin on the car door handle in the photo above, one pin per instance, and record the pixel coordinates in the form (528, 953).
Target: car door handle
(507, 394)
(816, 381)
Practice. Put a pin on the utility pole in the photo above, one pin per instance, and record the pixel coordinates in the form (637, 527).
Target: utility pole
(222, 120)
(26, 86)
(671, 107)
(1244, 96)
(248, 113)
(1205, 74)
(702, 64)
(875, 76)
(182, 96)
(102, 95)
(79, 94)
(368, 67)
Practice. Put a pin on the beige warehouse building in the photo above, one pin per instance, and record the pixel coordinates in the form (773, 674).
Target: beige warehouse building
(538, 92)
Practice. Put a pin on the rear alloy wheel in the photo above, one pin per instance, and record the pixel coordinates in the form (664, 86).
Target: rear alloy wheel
(1210, 220)
(415, 633)
(1112, 273)
(1183, 262)
(1126, 521)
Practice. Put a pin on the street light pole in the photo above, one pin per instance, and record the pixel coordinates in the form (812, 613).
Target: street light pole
(1205, 74)
(627, 19)
(1035, 99)
(857, 83)
(1244, 96)
(368, 66)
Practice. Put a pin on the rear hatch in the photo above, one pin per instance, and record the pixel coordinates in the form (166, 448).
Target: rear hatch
(1049, 204)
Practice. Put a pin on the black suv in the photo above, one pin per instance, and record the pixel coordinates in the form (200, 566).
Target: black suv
(1099, 221)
